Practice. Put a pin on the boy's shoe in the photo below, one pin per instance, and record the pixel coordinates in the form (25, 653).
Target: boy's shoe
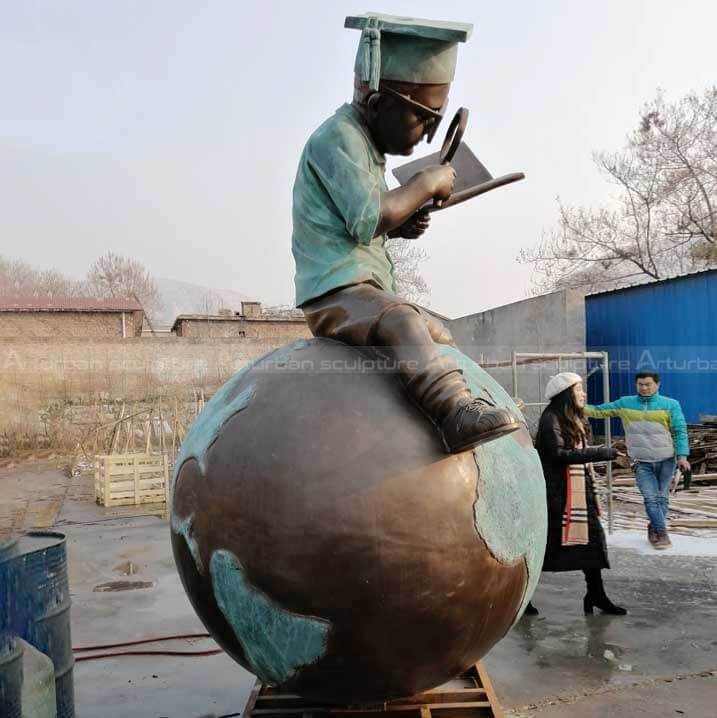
(651, 535)
(663, 539)
(475, 422)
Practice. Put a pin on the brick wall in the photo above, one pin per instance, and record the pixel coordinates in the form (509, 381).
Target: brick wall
(41, 374)
(36, 371)
(277, 330)
(69, 324)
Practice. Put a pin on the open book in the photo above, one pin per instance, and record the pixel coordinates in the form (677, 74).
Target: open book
(472, 178)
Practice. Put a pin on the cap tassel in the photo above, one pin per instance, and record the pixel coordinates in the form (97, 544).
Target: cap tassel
(371, 56)
(375, 52)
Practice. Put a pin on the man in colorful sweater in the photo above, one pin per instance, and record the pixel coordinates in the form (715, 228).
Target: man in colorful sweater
(655, 433)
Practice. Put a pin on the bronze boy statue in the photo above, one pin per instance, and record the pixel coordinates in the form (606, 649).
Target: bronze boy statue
(343, 212)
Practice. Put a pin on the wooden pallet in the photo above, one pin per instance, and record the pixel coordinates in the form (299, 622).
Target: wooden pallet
(469, 696)
(131, 479)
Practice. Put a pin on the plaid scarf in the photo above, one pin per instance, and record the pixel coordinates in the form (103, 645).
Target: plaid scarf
(575, 515)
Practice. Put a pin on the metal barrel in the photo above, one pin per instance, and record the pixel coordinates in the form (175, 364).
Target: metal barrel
(10, 678)
(8, 547)
(10, 649)
(42, 607)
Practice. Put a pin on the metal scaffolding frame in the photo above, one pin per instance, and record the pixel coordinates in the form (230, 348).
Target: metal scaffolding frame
(539, 357)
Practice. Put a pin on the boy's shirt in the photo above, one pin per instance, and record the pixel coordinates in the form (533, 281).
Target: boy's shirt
(337, 205)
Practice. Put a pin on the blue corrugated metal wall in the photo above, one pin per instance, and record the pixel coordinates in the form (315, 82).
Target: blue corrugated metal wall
(668, 326)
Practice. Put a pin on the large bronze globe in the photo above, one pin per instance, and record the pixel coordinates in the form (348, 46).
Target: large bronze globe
(328, 543)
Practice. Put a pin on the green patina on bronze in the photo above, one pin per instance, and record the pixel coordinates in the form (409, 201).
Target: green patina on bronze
(204, 432)
(406, 49)
(510, 510)
(336, 209)
(227, 402)
(185, 527)
(275, 641)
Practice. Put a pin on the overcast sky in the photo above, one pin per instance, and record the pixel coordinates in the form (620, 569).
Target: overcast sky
(170, 130)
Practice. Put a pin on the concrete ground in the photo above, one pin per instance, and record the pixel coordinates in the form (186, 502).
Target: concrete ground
(659, 661)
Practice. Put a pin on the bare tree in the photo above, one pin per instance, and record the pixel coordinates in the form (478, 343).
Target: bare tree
(17, 276)
(210, 303)
(113, 275)
(682, 138)
(407, 257)
(662, 218)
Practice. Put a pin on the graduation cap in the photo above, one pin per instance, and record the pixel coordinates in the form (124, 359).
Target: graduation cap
(406, 49)
(419, 51)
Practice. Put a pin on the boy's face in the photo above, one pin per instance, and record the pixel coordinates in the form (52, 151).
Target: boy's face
(398, 126)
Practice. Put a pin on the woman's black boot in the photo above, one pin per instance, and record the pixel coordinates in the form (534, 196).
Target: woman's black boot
(596, 596)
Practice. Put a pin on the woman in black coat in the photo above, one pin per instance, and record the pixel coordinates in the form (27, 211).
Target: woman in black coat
(576, 540)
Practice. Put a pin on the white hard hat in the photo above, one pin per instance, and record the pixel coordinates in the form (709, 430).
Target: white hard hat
(561, 382)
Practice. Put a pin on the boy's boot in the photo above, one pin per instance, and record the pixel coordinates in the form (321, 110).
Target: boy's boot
(435, 382)
(463, 421)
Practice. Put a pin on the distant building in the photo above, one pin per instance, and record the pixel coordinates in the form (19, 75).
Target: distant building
(252, 322)
(50, 316)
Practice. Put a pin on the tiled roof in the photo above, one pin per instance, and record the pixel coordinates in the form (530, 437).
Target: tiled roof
(45, 303)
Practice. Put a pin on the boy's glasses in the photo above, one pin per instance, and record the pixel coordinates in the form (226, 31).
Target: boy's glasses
(427, 112)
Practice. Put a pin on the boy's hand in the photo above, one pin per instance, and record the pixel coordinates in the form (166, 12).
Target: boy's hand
(413, 227)
(401, 208)
(440, 180)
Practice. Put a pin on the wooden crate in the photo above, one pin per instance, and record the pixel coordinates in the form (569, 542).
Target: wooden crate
(469, 696)
(131, 479)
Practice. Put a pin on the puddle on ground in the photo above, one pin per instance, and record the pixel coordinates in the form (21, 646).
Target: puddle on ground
(123, 585)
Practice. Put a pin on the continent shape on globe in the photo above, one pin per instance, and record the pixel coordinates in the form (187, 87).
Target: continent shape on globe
(331, 546)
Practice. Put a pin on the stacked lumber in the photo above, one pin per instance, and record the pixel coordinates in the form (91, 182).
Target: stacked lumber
(695, 509)
(703, 446)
